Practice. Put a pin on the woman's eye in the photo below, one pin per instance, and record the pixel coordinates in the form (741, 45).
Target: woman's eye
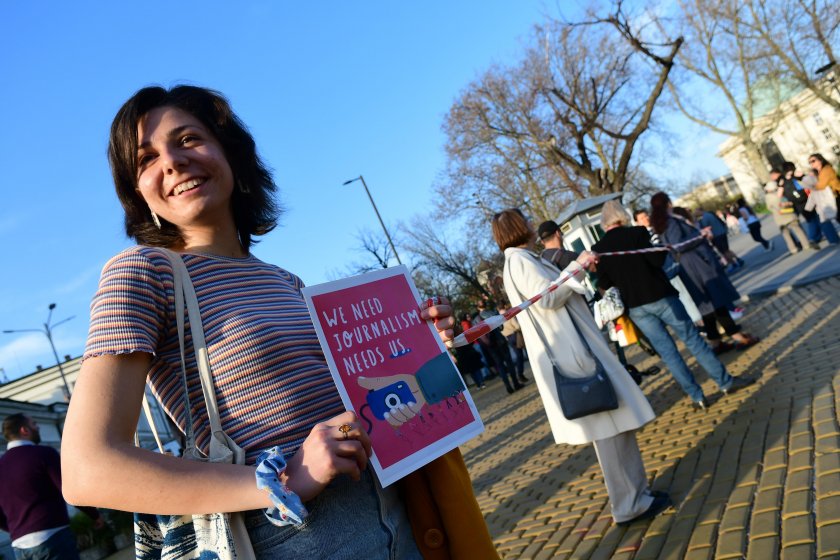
(187, 139)
(143, 159)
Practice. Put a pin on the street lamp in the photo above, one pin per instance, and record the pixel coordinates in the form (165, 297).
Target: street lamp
(47, 330)
(375, 209)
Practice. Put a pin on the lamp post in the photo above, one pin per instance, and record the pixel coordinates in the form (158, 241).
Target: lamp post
(375, 209)
(47, 330)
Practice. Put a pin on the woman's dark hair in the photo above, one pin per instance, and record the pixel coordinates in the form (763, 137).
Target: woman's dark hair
(659, 211)
(683, 213)
(788, 167)
(821, 159)
(511, 229)
(254, 208)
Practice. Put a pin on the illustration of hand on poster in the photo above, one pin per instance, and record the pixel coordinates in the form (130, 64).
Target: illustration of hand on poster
(392, 369)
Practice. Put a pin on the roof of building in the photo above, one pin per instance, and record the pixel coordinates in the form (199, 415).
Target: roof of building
(582, 205)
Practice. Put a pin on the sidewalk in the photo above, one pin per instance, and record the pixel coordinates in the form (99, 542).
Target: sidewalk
(757, 476)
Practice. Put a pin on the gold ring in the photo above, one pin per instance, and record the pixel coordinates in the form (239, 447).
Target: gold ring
(345, 429)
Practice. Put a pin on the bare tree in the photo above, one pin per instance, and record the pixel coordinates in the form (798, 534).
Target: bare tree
(800, 36)
(377, 254)
(454, 264)
(561, 124)
(725, 82)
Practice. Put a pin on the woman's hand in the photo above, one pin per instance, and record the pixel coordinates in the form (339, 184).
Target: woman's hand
(587, 259)
(326, 453)
(438, 310)
(706, 232)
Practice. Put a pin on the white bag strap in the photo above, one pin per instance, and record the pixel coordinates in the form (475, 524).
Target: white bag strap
(187, 293)
(221, 446)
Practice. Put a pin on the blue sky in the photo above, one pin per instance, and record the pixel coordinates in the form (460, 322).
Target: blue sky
(328, 92)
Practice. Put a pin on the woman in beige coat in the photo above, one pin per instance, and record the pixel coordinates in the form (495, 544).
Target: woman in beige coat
(557, 315)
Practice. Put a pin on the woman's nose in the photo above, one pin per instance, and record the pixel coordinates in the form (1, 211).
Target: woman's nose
(173, 160)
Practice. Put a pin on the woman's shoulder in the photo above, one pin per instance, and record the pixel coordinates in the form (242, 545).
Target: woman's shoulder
(139, 258)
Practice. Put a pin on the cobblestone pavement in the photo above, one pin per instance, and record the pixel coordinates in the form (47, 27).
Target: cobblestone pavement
(756, 477)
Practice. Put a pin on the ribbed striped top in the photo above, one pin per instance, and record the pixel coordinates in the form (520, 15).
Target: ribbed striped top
(271, 379)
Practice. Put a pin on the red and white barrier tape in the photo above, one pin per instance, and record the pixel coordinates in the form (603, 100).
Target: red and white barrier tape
(477, 331)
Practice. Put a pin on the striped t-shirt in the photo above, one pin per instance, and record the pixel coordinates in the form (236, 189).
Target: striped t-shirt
(271, 380)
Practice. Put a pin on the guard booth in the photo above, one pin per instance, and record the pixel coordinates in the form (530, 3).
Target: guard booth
(580, 222)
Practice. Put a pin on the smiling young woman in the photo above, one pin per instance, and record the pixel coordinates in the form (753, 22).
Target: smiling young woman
(189, 178)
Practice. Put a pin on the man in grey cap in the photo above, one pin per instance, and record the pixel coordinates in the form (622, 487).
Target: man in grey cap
(549, 233)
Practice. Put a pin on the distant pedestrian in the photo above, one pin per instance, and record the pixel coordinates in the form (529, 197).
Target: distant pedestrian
(783, 214)
(822, 197)
(32, 509)
(702, 275)
(469, 363)
(496, 347)
(753, 224)
(513, 334)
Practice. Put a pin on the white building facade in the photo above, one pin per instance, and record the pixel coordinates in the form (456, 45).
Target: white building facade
(802, 125)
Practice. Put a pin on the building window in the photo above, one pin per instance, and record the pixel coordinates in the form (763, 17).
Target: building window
(827, 133)
(836, 149)
(818, 118)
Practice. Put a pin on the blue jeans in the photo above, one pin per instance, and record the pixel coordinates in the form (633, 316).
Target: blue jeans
(60, 546)
(652, 318)
(812, 228)
(830, 233)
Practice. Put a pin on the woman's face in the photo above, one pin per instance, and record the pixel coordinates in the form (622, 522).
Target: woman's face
(815, 164)
(182, 172)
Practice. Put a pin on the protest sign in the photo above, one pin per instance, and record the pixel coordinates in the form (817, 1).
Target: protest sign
(392, 370)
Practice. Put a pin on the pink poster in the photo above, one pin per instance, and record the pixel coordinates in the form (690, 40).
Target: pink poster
(392, 370)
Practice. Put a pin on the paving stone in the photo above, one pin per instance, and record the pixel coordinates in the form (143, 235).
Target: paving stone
(797, 530)
(763, 549)
(773, 478)
(828, 511)
(742, 496)
(731, 545)
(775, 459)
(828, 541)
(703, 536)
(800, 460)
(767, 500)
(765, 524)
(735, 519)
(828, 463)
(800, 480)
(798, 552)
(828, 485)
(797, 503)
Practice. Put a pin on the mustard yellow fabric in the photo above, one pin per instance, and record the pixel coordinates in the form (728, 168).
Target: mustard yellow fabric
(445, 518)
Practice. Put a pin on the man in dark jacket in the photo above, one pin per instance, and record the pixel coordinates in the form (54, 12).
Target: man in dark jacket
(549, 233)
(32, 508)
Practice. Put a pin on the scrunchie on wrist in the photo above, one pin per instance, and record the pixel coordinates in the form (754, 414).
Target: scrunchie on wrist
(288, 508)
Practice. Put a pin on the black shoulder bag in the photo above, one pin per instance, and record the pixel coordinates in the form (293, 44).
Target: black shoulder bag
(579, 396)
